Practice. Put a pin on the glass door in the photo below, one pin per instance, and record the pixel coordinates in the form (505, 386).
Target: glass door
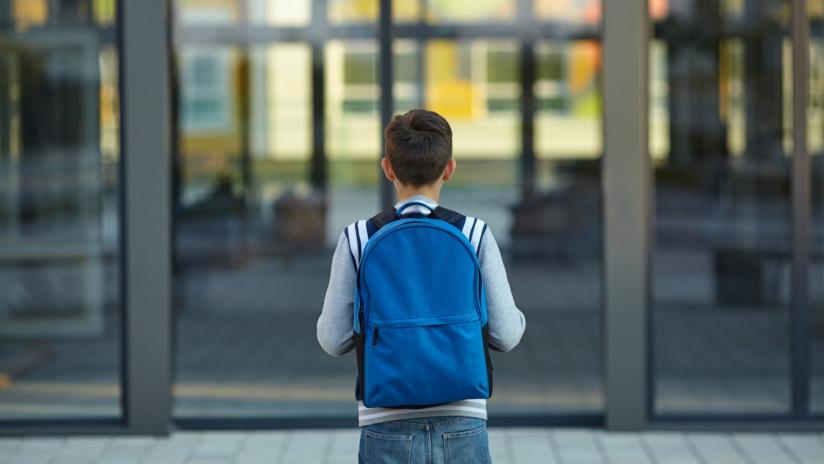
(725, 309)
(279, 138)
(60, 295)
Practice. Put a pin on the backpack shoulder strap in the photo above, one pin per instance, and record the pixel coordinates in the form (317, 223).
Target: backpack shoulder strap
(356, 235)
(453, 217)
(383, 218)
(359, 232)
(472, 227)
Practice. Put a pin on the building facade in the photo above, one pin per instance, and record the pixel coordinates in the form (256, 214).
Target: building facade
(176, 174)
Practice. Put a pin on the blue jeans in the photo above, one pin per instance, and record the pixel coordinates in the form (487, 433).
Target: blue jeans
(425, 440)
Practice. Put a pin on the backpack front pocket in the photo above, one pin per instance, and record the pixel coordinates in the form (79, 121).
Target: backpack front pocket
(424, 361)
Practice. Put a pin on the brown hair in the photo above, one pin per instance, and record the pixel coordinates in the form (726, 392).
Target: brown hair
(418, 145)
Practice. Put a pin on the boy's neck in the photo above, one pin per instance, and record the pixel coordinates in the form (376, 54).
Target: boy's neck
(433, 192)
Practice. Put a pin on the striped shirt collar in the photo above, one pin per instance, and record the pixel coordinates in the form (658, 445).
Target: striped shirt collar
(417, 209)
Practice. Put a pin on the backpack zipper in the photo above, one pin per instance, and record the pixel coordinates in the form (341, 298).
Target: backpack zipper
(375, 333)
(361, 351)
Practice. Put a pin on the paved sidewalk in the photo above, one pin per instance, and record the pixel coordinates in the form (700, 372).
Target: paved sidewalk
(508, 445)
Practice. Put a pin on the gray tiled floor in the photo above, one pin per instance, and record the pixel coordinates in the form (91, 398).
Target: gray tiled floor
(507, 445)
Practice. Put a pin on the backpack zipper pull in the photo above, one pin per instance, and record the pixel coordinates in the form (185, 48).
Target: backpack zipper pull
(375, 336)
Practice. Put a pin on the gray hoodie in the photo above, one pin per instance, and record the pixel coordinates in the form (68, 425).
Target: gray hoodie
(334, 329)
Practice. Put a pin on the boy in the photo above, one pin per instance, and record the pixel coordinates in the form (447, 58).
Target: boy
(418, 160)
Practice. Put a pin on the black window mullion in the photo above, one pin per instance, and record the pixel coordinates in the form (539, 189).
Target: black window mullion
(385, 80)
(527, 77)
(420, 56)
(318, 175)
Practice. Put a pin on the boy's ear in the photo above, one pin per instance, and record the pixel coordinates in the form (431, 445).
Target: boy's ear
(387, 169)
(449, 169)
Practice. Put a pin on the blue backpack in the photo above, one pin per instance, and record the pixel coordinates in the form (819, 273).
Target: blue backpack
(420, 310)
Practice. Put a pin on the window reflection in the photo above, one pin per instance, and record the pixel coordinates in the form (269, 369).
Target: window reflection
(719, 111)
(279, 12)
(342, 11)
(59, 213)
(549, 240)
(104, 11)
(252, 225)
(408, 10)
(259, 209)
(29, 13)
(815, 146)
(227, 12)
(474, 85)
(207, 12)
(353, 132)
(430, 11)
(469, 10)
(589, 11)
(568, 100)
(572, 11)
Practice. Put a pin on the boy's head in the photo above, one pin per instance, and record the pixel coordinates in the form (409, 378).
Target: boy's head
(418, 149)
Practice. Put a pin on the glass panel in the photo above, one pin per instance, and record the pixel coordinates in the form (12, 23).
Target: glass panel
(226, 12)
(60, 293)
(208, 12)
(254, 233)
(721, 263)
(815, 144)
(407, 10)
(733, 9)
(565, 247)
(571, 11)
(476, 85)
(560, 225)
(104, 11)
(28, 13)
(251, 247)
(298, 12)
(353, 132)
(659, 121)
(586, 11)
(348, 11)
(360, 11)
(433, 11)
(469, 10)
(279, 12)
(556, 236)
(568, 100)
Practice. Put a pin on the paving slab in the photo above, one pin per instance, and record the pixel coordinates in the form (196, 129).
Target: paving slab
(519, 445)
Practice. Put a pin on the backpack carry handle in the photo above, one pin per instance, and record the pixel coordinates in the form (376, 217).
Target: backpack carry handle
(413, 203)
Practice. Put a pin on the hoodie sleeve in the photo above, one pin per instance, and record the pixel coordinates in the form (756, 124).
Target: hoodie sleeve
(506, 321)
(334, 329)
